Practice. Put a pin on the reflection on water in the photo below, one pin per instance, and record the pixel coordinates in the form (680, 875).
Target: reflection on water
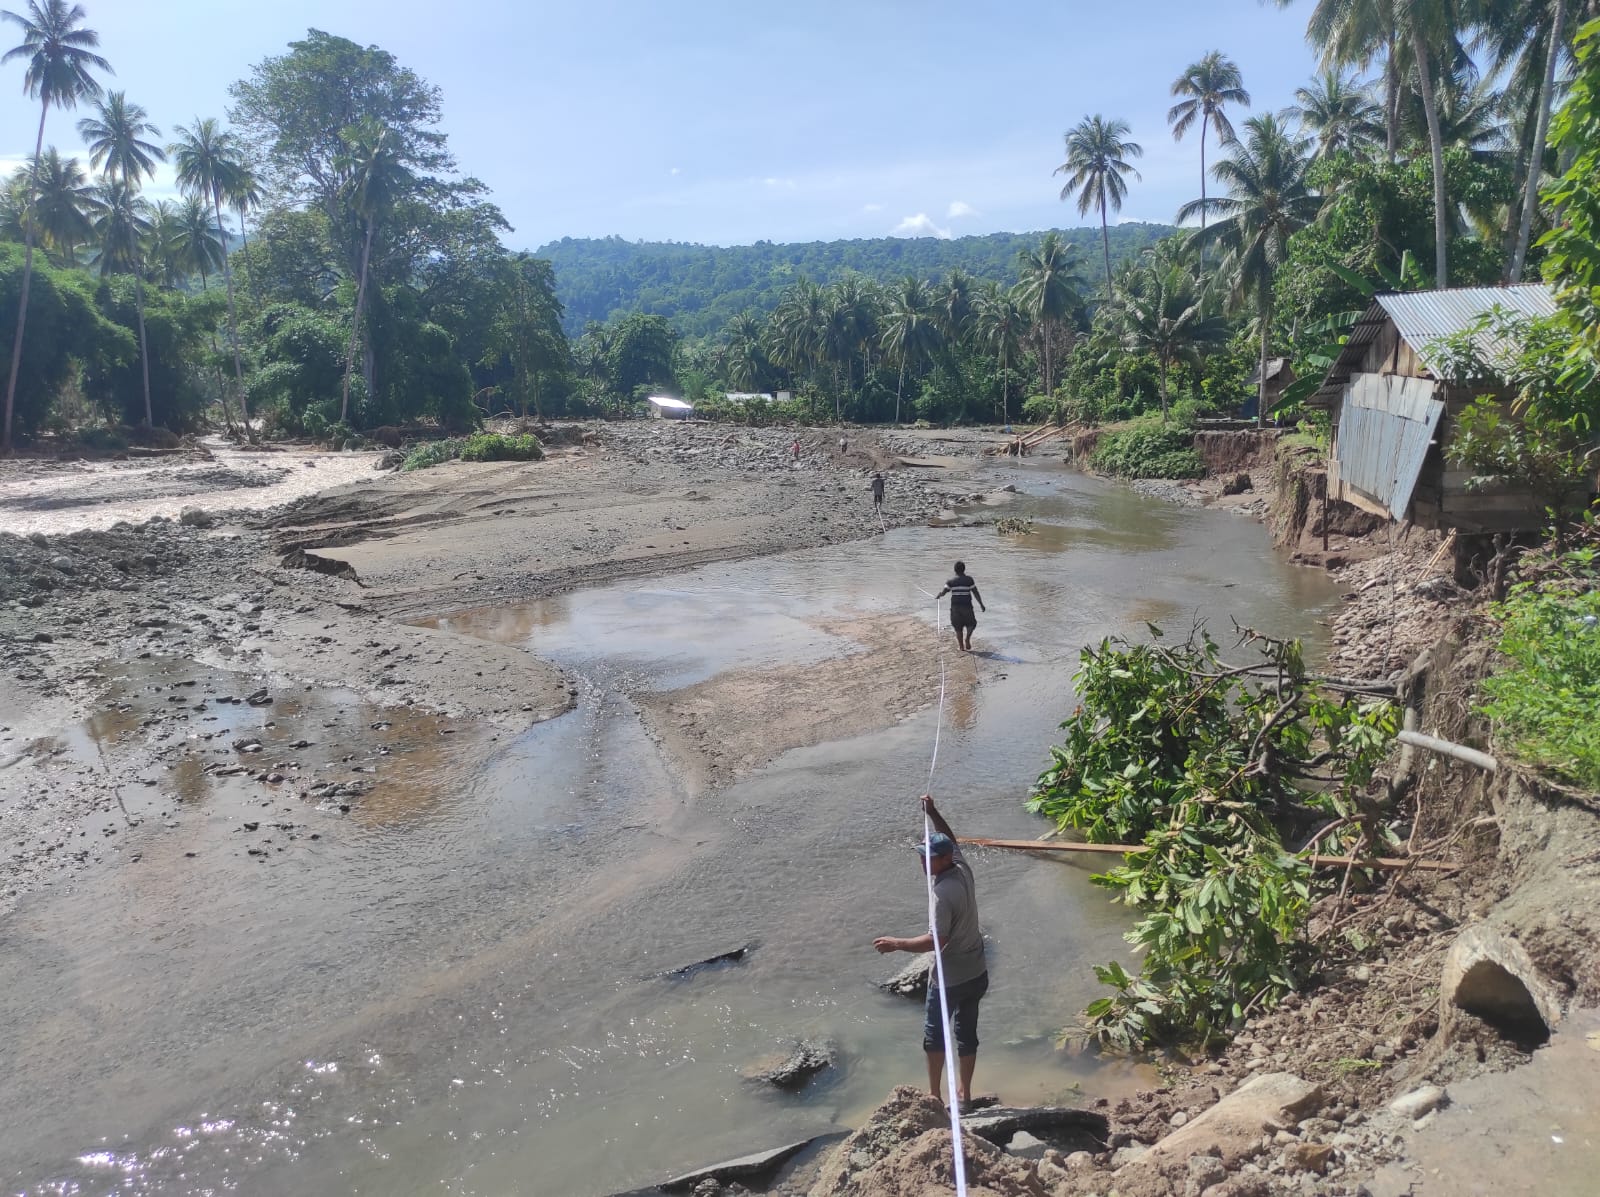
(447, 988)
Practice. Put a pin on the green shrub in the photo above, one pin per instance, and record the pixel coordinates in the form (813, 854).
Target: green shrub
(1546, 701)
(1149, 449)
(494, 446)
(481, 446)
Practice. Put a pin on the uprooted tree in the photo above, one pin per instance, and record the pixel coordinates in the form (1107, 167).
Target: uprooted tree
(1213, 770)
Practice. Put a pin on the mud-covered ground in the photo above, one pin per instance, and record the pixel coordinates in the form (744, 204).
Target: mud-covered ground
(328, 592)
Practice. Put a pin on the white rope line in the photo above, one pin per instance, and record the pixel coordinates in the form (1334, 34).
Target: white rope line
(951, 1078)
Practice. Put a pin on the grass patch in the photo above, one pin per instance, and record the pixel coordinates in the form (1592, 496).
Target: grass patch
(481, 446)
(1544, 704)
(1148, 448)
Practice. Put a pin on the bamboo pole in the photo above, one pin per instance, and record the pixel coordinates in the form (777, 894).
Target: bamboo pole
(1445, 748)
(1373, 862)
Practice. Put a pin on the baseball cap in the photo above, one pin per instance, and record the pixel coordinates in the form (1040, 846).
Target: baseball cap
(938, 844)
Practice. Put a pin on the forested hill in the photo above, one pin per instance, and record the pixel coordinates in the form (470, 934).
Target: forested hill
(700, 287)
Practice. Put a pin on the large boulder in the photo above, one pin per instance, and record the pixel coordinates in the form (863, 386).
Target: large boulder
(1233, 1128)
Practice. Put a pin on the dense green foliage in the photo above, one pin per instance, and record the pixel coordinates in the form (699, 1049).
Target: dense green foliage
(1210, 768)
(1544, 704)
(700, 288)
(1148, 449)
(1574, 243)
(480, 446)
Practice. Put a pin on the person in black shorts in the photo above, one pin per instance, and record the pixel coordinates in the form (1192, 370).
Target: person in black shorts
(877, 494)
(963, 591)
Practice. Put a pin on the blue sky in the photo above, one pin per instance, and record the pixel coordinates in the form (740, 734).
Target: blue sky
(699, 120)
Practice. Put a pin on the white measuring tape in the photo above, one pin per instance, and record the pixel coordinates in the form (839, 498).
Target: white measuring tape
(951, 1078)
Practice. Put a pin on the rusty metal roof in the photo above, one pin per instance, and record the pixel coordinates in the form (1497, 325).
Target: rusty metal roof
(1423, 317)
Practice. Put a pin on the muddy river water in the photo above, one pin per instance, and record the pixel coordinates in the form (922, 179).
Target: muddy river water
(457, 985)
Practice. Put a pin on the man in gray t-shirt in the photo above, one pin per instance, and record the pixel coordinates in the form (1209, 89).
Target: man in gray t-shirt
(966, 972)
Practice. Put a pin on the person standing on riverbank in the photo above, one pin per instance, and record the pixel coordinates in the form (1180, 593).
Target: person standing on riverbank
(960, 947)
(962, 591)
(877, 494)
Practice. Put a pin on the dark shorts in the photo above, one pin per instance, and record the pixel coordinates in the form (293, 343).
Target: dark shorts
(963, 617)
(963, 1001)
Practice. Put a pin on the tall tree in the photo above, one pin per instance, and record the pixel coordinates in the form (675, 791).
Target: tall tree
(123, 225)
(116, 137)
(1556, 47)
(1047, 292)
(911, 331)
(208, 161)
(1208, 87)
(164, 245)
(1268, 201)
(60, 57)
(1167, 317)
(745, 355)
(64, 204)
(1096, 168)
(244, 197)
(374, 177)
(1339, 113)
(999, 325)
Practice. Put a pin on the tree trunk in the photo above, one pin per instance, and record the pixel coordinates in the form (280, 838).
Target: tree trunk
(1105, 237)
(1266, 338)
(1049, 364)
(355, 326)
(1391, 102)
(1163, 390)
(1530, 199)
(1430, 109)
(138, 296)
(222, 387)
(233, 319)
(1204, 118)
(900, 387)
(244, 238)
(27, 281)
(1005, 388)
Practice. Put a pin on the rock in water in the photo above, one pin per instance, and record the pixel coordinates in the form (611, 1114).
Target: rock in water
(912, 980)
(196, 517)
(808, 1058)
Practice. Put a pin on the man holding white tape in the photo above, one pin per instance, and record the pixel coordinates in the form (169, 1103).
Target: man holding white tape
(960, 942)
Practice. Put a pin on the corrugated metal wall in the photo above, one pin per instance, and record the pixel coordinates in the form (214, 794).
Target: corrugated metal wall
(1386, 427)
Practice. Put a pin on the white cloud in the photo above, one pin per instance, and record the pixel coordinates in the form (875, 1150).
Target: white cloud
(920, 225)
(784, 184)
(960, 208)
(674, 171)
(872, 207)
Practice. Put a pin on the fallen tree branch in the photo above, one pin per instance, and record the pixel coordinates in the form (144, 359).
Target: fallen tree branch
(1339, 862)
(1459, 752)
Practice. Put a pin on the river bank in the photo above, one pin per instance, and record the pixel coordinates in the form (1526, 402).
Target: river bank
(744, 672)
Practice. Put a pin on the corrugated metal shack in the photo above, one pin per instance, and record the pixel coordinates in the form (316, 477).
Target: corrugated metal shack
(1392, 418)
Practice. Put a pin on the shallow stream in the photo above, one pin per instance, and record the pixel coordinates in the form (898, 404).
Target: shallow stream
(457, 986)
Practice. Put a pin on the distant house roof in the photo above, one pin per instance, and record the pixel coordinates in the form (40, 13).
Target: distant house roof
(669, 403)
(1275, 366)
(1423, 317)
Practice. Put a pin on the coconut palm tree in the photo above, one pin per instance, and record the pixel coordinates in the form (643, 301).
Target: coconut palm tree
(60, 57)
(1047, 291)
(208, 162)
(999, 325)
(116, 136)
(1268, 201)
(911, 331)
(164, 245)
(120, 231)
(1096, 167)
(198, 247)
(1165, 316)
(1208, 87)
(853, 327)
(245, 196)
(797, 332)
(745, 356)
(1339, 113)
(374, 177)
(64, 204)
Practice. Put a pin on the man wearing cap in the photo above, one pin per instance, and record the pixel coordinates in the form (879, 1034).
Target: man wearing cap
(966, 972)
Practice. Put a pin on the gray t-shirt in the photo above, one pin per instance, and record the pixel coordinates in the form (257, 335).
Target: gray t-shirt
(955, 906)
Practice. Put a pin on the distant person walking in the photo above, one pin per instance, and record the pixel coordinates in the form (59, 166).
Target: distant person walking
(844, 446)
(966, 971)
(877, 493)
(962, 591)
(794, 449)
